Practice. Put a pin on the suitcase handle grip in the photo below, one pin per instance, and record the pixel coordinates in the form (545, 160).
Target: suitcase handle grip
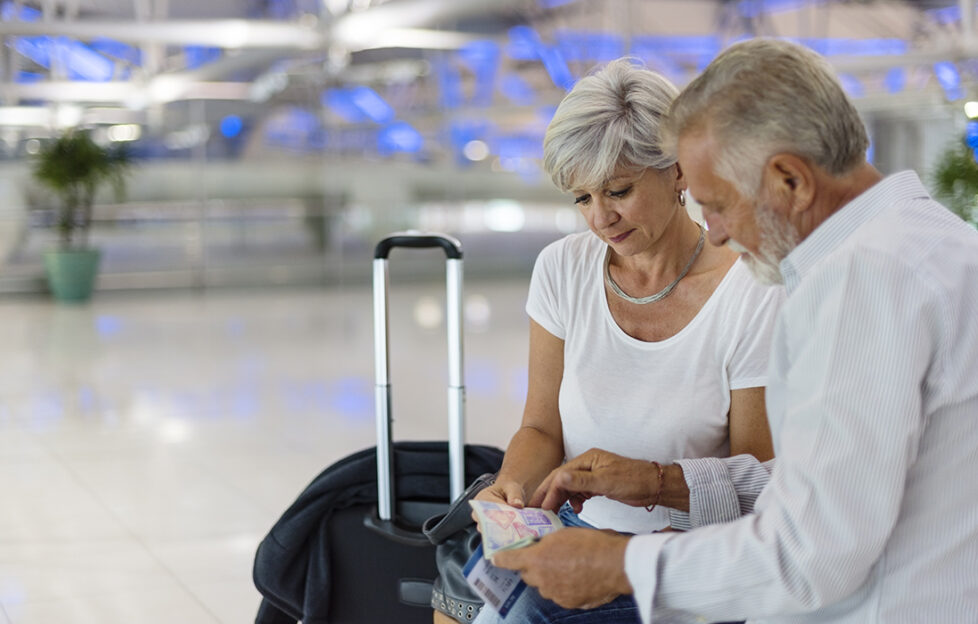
(391, 531)
(451, 246)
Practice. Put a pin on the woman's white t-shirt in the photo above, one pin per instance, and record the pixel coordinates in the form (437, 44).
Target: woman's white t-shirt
(659, 401)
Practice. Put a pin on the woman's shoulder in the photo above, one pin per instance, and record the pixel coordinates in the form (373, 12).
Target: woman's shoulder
(740, 290)
(576, 248)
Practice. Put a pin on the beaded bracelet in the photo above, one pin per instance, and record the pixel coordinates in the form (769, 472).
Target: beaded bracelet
(658, 492)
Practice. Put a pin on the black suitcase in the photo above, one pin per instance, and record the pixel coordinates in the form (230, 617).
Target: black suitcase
(350, 549)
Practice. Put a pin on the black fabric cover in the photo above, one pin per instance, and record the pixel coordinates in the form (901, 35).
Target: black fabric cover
(292, 567)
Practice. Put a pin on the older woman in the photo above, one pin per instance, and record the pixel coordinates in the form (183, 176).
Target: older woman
(644, 341)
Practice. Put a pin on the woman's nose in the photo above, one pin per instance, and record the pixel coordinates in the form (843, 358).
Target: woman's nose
(604, 215)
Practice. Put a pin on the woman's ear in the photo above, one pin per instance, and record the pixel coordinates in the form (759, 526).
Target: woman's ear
(680, 180)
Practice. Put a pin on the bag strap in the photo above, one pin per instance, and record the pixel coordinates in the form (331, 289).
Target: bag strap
(459, 515)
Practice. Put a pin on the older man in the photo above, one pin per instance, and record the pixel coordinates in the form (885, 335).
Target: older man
(871, 512)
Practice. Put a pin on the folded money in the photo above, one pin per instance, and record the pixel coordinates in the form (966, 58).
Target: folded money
(504, 527)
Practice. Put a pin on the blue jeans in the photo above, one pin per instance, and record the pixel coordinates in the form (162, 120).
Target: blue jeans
(532, 608)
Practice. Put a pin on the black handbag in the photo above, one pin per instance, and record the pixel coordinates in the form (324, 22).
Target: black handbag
(456, 537)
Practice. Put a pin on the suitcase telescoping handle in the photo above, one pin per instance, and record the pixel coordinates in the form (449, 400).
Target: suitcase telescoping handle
(456, 387)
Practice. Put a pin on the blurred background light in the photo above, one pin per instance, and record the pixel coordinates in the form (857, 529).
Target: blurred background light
(231, 126)
(504, 216)
(476, 150)
(124, 132)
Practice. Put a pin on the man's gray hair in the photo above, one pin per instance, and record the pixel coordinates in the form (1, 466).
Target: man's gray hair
(767, 96)
(610, 119)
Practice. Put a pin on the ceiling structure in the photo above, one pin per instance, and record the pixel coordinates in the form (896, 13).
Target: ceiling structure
(429, 80)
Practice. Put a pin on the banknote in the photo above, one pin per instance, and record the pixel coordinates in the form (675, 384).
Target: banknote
(504, 527)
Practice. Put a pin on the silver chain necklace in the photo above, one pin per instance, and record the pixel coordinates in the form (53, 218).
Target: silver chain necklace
(662, 294)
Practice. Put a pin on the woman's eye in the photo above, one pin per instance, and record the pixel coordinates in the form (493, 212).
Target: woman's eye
(620, 193)
(583, 200)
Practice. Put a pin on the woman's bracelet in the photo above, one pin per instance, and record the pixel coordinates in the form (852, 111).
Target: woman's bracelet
(658, 492)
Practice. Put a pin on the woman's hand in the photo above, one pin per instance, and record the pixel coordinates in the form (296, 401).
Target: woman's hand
(504, 492)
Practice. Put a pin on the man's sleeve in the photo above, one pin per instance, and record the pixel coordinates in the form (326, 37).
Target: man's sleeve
(848, 419)
(720, 489)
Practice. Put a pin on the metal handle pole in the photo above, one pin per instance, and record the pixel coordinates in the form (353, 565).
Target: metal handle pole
(456, 382)
(382, 393)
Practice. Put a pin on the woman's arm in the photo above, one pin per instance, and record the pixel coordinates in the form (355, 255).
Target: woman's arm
(749, 431)
(637, 482)
(538, 445)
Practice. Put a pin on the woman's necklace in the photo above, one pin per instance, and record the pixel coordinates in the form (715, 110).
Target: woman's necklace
(662, 294)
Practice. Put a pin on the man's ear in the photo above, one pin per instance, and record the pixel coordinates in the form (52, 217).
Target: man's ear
(791, 180)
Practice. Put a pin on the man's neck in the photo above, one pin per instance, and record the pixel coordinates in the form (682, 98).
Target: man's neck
(834, 192)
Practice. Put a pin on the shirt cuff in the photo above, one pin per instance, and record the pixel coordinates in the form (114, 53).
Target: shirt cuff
(641, 566)
(712, 496)
(679, 520)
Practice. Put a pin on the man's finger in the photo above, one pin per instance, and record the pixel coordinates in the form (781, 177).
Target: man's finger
(566, 485)
(510, 559)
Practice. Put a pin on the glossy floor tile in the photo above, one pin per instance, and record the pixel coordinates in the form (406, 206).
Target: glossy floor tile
(148, 441)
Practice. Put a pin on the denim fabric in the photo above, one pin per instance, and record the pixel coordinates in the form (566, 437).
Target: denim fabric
(532, 608)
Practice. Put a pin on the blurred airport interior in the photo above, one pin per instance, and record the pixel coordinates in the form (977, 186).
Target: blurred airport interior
(149, 437)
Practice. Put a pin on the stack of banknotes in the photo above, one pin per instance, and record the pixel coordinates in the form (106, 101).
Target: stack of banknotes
(504, 527)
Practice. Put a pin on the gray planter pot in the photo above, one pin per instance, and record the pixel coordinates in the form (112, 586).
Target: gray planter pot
(71, 273)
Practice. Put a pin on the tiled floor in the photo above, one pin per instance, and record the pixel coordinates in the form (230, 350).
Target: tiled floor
(148, 441)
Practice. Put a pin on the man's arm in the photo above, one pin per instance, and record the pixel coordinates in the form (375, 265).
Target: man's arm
(720, 489)
(849, 421)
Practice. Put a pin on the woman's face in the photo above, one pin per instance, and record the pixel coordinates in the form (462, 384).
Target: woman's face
(632, 209)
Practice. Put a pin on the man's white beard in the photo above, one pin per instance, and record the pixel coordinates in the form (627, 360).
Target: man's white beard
(778, 237)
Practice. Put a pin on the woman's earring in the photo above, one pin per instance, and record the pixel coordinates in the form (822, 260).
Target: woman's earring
(682, 198)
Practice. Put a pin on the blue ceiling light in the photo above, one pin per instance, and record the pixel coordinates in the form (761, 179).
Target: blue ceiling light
(399, 136)
(836, 46)
(295, 128)
(9, 13)
(374, 107)
(78, 60)
(971, 134)
(517, 90)
(589, 46)
(231, 126)
(449, 84)
(118, 50)
(25, 77)
(198, 55)
(482, 58)
(668, 52)
(37, 49)
(896, 80)
(946, 16)
(339, 102)
(553, 61)
(949, 79)
(550, 4)
(524, 44)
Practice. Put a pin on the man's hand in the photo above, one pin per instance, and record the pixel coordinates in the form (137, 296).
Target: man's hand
(574, 567)
(598, 473)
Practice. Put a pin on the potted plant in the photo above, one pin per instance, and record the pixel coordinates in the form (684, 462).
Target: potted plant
(955, 180)
(74, 167)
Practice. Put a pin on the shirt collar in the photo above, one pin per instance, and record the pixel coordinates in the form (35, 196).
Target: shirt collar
(837, 228)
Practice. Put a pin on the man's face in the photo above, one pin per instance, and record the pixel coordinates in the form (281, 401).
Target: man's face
(756, 229)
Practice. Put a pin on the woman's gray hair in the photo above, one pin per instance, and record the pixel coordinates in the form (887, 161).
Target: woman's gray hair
(766, 96)
(610, 119)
